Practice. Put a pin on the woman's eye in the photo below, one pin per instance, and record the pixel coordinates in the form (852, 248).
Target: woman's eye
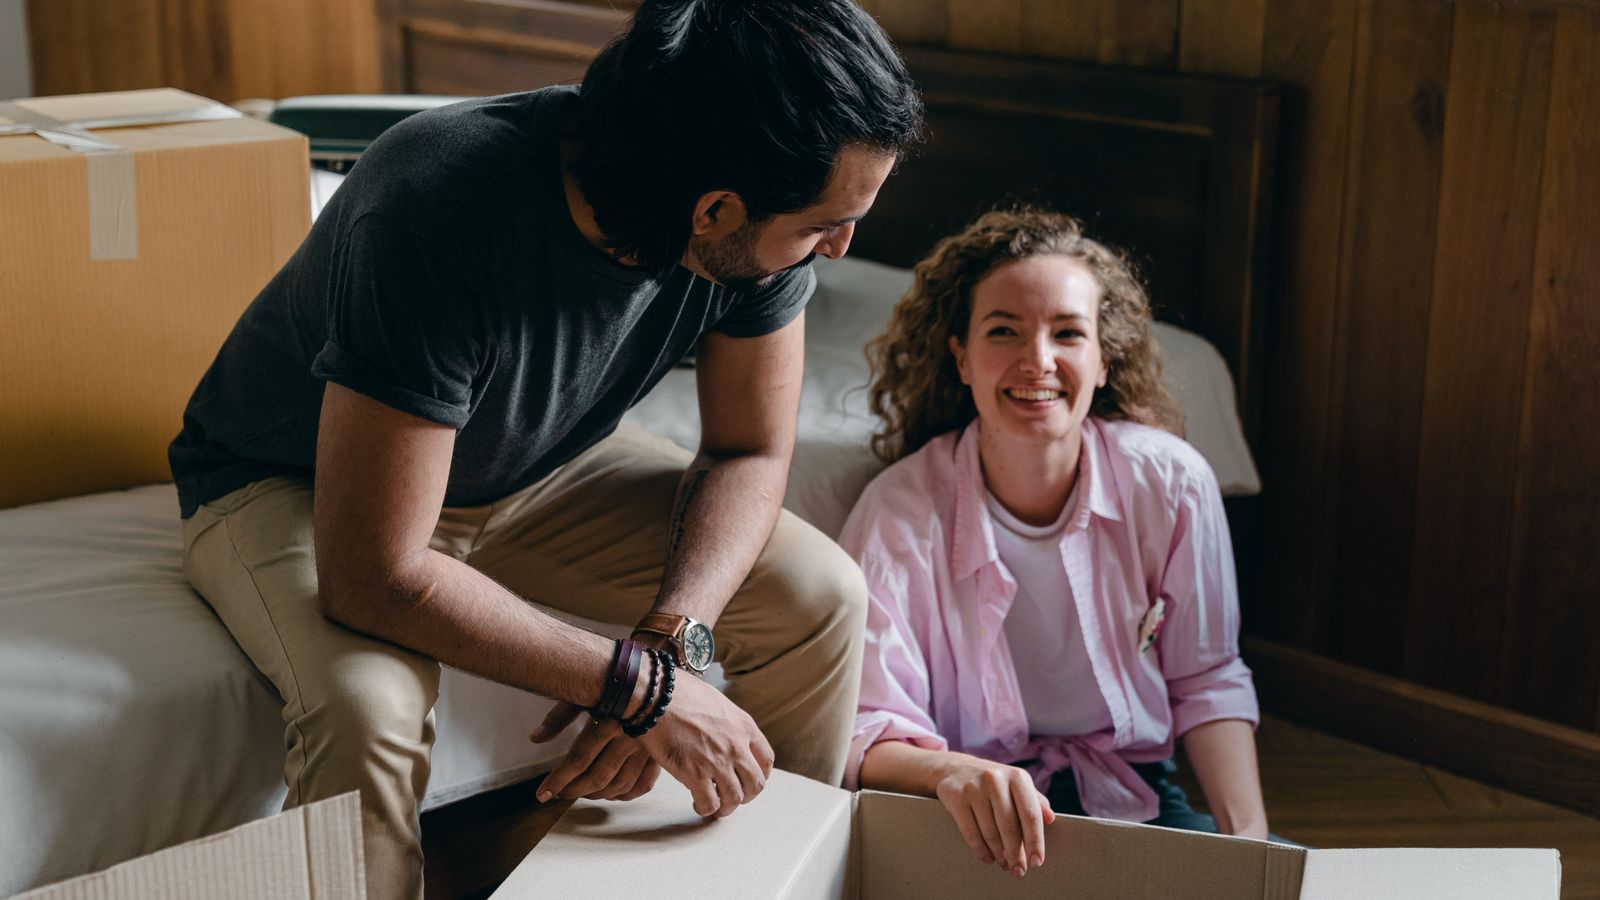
(1069, 334)
(1001, 331)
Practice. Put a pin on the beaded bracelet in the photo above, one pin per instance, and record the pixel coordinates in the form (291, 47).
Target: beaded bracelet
(667, 665)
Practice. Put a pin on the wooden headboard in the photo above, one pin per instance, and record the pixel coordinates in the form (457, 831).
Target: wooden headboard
(1175, 168)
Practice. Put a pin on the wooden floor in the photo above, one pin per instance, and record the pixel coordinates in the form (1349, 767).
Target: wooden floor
(1320, 791)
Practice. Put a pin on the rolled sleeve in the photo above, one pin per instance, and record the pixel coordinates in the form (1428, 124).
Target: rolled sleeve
(1206, 679)
(880, 725)
(772, 307)
(398, 329)
(1226, 692)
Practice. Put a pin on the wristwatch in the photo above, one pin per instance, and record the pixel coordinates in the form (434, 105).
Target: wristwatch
(691, 639)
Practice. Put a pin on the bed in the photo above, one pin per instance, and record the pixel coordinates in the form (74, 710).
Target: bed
(130, 719)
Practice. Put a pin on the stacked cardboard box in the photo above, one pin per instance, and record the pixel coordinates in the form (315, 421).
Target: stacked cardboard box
(114, 205)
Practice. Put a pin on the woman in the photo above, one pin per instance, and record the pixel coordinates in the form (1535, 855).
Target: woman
(1052, 590)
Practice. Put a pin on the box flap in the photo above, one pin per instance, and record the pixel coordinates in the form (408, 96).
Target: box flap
(790, 842)
(309, 853)
(1432, 874)
(77, 107)
(134, 121)
(910, 848)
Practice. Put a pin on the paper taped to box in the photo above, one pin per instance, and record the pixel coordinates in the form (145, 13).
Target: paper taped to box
(69, 122)
(802, 840)
(309, 853)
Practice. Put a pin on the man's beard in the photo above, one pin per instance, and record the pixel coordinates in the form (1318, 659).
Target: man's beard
(731, 262)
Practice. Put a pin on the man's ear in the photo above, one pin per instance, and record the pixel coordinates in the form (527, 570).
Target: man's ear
(718, 214)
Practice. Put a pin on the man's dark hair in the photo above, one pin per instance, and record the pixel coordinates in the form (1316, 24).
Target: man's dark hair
(752, 96)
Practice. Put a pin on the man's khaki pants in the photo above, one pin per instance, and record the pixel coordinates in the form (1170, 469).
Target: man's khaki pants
(590, 539)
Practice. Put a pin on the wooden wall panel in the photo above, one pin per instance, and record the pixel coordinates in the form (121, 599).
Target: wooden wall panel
(1550, 658)
(1139, 33)
(225, 49)
(912, 21)
(79, 46)
(1396, 134)
(1223, 37)
(1310, 45)
(489, 46)
(1476, 346)
(986, 25)
(1063, 29)
(290, 48)
(206, 66)
(450, 61)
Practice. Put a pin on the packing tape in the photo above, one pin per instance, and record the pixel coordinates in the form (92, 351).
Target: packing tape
(113, 205)
(113, 196)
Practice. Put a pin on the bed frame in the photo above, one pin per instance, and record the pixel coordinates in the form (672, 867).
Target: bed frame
(1175, 168)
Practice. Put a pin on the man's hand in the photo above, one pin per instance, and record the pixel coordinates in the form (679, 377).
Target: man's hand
(998, 811)
(708, 744)
(603, 763)
(712, 747)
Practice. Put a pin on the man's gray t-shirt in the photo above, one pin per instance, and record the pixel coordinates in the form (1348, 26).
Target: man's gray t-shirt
(447, 280)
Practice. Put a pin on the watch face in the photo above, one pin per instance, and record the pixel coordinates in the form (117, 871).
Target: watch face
(698, 647)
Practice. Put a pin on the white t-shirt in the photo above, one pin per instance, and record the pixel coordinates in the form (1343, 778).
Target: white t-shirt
(1059, 692)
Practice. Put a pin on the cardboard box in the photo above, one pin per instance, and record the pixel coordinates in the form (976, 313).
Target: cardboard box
(309, 853)
(135, 228)
(801, 839)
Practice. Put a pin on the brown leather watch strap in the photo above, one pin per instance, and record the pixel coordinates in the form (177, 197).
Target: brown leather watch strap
(667, 624)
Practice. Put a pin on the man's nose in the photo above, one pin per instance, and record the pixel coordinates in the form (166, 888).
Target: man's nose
(837, 242)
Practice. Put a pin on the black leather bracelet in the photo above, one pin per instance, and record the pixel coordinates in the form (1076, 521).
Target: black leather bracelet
(649, 691)
(618, 689)
(667, 679)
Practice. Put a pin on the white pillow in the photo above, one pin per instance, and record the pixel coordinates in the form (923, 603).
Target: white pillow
(832, 462)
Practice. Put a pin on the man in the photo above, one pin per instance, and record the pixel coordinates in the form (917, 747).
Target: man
(414, 428)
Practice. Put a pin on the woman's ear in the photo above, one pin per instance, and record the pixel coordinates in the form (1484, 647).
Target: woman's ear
(718, 214)
(1105, 372)
(960, 353)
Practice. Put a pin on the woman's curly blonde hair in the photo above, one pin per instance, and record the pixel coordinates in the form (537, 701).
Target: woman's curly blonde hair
(916, 389)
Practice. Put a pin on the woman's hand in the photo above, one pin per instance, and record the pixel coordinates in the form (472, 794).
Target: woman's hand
(998, 810)
(996, 807)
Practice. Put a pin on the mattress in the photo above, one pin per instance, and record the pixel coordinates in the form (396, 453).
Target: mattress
(130, 721)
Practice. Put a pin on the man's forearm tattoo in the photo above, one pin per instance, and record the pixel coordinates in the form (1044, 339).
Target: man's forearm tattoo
(681, 511)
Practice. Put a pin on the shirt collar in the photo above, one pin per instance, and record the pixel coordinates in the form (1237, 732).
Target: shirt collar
(1097, 473)
(973, 544)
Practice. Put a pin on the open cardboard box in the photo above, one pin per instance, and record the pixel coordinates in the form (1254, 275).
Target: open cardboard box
(801, 839)
(309, 853)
